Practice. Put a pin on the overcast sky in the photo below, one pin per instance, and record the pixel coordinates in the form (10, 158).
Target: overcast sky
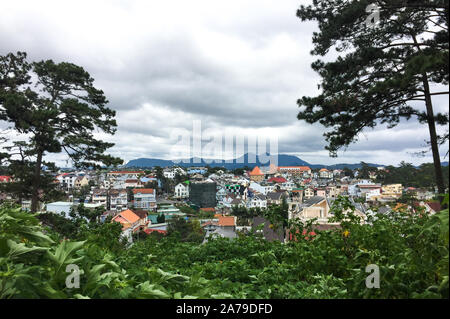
(237, 66)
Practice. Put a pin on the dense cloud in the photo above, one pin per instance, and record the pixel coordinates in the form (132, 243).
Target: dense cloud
(237, 66)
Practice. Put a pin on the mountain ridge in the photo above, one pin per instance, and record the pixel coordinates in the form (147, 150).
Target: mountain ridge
(256, 160)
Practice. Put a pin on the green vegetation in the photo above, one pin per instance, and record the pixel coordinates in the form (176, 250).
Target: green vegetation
(407, 175)
(411, 250)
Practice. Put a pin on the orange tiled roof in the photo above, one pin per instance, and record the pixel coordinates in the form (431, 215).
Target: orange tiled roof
(323, 170)
(143, 191)
(227, 221)
(208, 209)
(129, 216)
(256, 171)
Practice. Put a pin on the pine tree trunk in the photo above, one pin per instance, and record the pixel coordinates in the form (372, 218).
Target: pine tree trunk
(433, 137)
(36, 180)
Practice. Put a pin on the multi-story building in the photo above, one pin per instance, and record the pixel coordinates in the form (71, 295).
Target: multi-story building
(324, 173)
(66, 181)
(118, 199)
(257, 200)
(144, 198)
(81, 181)
(295, 170)
(100, 196)
(392, 190)
(182, 190)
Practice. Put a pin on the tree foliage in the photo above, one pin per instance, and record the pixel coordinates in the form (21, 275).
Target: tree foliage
(381, 72)
(58, 108)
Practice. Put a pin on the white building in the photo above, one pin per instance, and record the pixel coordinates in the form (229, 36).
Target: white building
(181, 190)
(169, 174)
(257, 201)
(144, 198)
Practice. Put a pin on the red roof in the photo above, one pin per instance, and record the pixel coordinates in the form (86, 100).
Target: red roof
(227, 221)
(5, 178)
(143, 190)
(277, 180)
(131, 181)
(208, 209)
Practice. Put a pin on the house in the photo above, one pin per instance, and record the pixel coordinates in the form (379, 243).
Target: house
(81, 181)
(256, 175)
(142, 215)
(144, 198)
(275, 198)
(431, 207)
(118, 199)
(325, 173)
(373, 194)
(257, 200)
(181, 190)
(133, 183)
(128, 219)
(100, 196)
(295, 170)
(314, 207)
(66, 181)
(113, 175)
(288, 185)
(392, 190)
(228, 200)
(227, 222)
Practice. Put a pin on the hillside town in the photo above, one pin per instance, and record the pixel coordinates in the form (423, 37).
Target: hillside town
(146, 200)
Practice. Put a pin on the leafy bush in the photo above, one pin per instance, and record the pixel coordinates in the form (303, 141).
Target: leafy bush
(411, 250)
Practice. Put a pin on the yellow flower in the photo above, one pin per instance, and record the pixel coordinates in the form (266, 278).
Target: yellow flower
(346, 233)
(271, 226)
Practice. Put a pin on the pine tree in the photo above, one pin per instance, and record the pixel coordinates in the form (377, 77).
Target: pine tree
(387, 69)
(58, 108)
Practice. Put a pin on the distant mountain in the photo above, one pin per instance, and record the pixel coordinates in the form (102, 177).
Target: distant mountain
(247, 159)
(149, 162)
(444, 164)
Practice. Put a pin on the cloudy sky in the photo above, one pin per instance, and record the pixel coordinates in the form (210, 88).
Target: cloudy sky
(236, 66)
